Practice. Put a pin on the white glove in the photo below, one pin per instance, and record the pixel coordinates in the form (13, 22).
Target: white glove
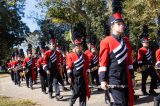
(48, 72)
(70, 80)
(104, 85)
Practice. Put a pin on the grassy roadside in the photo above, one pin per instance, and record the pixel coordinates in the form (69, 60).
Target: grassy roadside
(6, 101)
(3, 75)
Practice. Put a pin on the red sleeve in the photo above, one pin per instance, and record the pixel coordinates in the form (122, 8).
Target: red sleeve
(39, 63)
(103, 56)
(14, 64)
(140, 56)
(87, 62)
(45, 60)
(69, 63)
(90, 56)
(24, 63)
(34, 62)
(158, 55)
(103, 59)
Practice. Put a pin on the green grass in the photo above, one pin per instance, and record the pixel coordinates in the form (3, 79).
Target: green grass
(2, 75)
(6, 101)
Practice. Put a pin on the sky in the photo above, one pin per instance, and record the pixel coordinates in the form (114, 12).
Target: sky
(30, 7)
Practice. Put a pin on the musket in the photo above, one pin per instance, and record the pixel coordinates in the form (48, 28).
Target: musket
(143, 68)
(116, 86)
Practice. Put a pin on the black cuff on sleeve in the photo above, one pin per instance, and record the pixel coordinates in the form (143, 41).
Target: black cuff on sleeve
(102, 76)
(132, 73)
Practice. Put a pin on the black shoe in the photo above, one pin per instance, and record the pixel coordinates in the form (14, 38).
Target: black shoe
(145, 93)
(44, 92)
(35, 82)
(19, 84)
(50, 95)
(31, 87)
(71, 104)
(156, 101)
(65, 89)
(107, 101)
(58, 97)
(136, 97)
(152, 92)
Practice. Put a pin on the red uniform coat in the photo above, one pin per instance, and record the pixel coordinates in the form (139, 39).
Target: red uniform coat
(39, 63)
(70, 59)
(144, 56)
(9, 65)
(158, 56)
(33, 62)
(56, 58)
(93, 59)
(122, 51)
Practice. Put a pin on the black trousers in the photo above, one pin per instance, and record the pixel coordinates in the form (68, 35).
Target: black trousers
(65, 73)
(53, 80)
(17, 77)
(79, 90)
(152, 73)
(95, 76)
(36, 73)
(117, 96)
(12, 75)
(60, 79)
(29, 80)
(43, 79)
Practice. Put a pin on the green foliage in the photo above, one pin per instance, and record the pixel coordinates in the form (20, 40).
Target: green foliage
(12, 29)
(138, 13)
(90, 12)
(5, 101)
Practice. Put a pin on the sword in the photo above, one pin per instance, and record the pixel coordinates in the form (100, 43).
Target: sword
(116, 86)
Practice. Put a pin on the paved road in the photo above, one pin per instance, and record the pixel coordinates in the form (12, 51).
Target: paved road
(7, 88)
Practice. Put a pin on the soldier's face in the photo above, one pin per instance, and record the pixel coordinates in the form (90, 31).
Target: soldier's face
(118, 27)
(42, 55)
(18, 58)
(145, 44)
(78, 48)
(29, 55)
(93, 50)
(89, 45)
(52, 46)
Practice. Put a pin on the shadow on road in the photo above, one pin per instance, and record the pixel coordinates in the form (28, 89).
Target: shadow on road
(145, 99)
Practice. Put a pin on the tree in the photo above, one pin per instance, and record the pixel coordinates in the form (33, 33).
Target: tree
(139, 13)
(90, 12)
(12, 29)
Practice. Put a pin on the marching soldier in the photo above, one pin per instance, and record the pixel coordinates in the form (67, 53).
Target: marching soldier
(11, 67)
(157, 66)
(77, 64)
(93, 60)
(116, 69)
(64, 65)
(61, 71)
(52, 68)
(37, 54)
(18, 67)
(158, 55)
(14, 69)
(43, 74)
(28, 68)
(146, 67)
